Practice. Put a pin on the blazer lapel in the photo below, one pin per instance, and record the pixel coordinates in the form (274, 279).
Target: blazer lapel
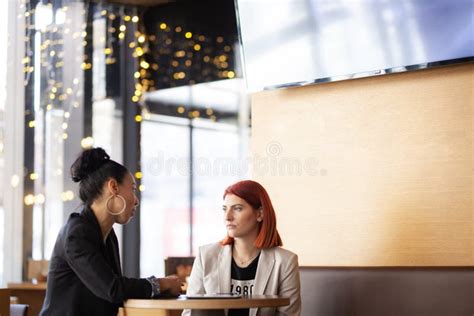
(264, 270)
(224, 264)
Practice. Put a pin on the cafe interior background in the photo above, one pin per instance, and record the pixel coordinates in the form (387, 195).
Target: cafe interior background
(375, 171)
(121, 77)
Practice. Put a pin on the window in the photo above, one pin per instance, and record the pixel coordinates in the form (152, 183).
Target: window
(165, 193)
(3, 77)
(175, 218)
(192, 148)
(216, 166)
(56, 123)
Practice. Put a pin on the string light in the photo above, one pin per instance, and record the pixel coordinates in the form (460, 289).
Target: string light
(192, 53)
(87, 142)
(39, 199)
(29, 199)
(67, 196)
(15, 181)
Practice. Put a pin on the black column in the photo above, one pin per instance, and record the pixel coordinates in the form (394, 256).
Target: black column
(29, 167)
(191, 186)
(131, 149)
(88, 79)
(29, 151)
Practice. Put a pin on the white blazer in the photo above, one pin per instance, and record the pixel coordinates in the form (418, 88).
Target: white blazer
(277, 274)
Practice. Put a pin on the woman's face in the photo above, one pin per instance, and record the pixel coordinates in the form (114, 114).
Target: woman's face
(127, 190)
(240, 218)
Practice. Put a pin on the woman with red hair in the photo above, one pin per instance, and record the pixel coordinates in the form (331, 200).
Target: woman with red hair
(250, 259)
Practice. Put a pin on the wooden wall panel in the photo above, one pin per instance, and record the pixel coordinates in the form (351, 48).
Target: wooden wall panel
(371, 172)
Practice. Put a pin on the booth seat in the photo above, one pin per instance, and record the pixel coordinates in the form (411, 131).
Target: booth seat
(387, 291)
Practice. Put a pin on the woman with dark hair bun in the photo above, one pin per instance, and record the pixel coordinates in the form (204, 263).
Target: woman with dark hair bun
(85, 276)
(249, 260)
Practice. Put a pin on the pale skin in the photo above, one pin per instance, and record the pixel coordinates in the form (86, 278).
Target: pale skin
(242, 223)
(127, 190)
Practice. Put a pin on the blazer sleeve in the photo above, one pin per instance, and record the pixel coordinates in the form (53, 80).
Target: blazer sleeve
(83, 254)
(290, 287)
(196, 280)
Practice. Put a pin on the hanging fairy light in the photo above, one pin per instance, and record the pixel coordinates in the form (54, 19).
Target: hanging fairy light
(194, 57)
(50, 27)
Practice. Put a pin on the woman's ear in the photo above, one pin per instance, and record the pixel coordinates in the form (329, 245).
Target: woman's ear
(112, 186)
(260, 215)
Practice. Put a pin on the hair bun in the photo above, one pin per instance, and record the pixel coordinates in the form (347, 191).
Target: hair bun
(89, 161)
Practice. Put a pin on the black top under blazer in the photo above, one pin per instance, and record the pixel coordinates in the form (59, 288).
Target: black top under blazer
(84, 276)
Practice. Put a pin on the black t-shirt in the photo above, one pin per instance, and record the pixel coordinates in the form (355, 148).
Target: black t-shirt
(242, 282)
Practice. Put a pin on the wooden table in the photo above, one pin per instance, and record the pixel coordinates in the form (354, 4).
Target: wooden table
(167, 306)
(31, 294)
(4, 302)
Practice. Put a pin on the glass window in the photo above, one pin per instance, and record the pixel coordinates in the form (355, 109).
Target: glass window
(203, 128)
(168, 229)
(216, 165)
(3, 77)
(165, 193)
(57, 80)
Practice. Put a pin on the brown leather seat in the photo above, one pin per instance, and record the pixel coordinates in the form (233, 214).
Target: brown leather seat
(387, 291)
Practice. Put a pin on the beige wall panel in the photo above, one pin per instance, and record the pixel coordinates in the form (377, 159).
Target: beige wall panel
(371, 172)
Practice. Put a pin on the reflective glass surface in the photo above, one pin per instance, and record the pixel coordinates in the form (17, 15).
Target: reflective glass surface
(291, 41)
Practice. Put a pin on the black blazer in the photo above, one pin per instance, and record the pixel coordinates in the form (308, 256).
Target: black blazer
(84, 276)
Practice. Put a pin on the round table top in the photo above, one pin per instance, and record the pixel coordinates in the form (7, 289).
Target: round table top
(27, 286)
(210, 303)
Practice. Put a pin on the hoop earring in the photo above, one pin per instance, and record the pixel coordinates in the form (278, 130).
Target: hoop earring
(108, 208)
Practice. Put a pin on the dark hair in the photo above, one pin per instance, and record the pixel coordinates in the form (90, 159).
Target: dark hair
(256, 195)
(92, 169)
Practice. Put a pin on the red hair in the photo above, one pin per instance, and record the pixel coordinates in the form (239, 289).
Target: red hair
(256, 195)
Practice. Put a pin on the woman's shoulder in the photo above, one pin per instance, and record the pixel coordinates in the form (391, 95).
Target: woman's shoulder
(75, 219)
(283, 253)
(211, 249)
(79, 224)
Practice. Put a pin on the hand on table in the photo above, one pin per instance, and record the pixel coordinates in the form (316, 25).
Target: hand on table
(170, 285)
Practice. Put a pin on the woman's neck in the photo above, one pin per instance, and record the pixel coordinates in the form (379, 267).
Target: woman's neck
(105, 220)
(244, 249)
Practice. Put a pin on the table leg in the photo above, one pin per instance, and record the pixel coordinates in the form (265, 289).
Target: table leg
(129, 311)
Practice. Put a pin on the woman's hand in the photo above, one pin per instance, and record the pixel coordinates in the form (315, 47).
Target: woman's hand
(170, 285)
